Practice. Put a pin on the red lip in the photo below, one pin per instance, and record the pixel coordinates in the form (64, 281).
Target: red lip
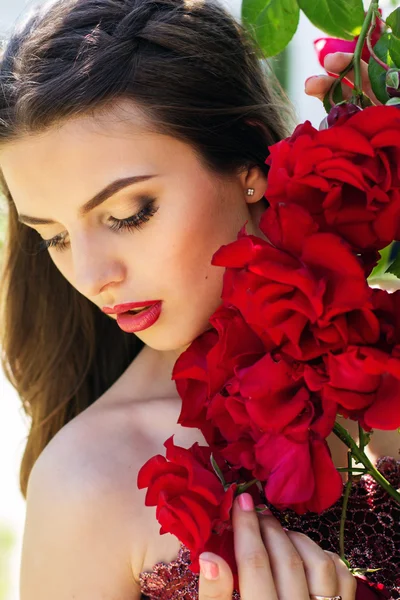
(122, 308)
(131, 323)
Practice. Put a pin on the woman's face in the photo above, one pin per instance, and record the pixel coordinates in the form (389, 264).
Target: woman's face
(192, 213)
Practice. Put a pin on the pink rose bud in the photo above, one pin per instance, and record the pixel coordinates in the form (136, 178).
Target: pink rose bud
(329, 45)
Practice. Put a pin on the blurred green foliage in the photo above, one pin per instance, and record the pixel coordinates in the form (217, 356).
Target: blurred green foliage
(280, 66)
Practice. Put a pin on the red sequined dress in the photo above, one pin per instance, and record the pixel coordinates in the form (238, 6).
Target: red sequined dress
(372, 540)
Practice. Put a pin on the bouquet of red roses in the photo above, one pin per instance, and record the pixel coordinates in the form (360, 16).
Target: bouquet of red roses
(299, 338)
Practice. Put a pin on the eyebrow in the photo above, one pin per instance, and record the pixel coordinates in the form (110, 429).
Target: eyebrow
(98, 199)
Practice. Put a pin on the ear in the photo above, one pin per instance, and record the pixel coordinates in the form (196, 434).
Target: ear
(253, 177)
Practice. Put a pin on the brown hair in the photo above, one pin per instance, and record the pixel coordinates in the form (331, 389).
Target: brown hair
(199, 76)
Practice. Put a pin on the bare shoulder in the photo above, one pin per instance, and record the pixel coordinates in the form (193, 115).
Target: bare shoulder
(83, 536)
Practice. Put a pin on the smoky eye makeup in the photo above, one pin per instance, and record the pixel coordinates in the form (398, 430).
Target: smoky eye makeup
(134, 222)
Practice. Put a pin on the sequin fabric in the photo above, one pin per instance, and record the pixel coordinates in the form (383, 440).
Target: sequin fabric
(372, 539)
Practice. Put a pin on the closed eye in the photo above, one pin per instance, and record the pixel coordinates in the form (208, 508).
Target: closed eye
(136, 221)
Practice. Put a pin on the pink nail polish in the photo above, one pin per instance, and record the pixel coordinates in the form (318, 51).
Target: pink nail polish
(246, 502)
(209, 569)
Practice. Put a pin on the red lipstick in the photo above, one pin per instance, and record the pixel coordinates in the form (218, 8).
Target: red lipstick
(130, 322)
(121, 308)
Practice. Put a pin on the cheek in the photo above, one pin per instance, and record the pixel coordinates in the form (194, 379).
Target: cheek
(188, 244)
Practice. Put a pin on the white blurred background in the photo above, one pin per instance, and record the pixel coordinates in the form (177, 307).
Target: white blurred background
(302, 63)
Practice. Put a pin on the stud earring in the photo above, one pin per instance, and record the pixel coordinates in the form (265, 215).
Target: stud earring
(250, 191)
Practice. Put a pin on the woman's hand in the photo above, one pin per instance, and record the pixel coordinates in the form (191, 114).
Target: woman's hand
(275, 564)
(320, 85)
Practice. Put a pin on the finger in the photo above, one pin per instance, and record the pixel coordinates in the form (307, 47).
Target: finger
(254, 570)
(286, 563)
(319, 86)
(347, 583)
(319, 568)
(338, 61)
(216, 580)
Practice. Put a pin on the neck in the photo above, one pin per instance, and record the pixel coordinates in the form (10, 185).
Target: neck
(152, 373)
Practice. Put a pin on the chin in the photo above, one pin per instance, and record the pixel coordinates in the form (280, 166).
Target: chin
(174, 339)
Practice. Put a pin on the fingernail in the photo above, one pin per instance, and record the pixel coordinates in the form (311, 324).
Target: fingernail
(312, 77)
(209, 569)
(246, 502)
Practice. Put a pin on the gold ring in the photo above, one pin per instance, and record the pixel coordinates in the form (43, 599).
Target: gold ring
(314, 597)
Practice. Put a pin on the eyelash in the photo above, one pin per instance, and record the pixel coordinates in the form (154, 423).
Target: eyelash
(136, 221)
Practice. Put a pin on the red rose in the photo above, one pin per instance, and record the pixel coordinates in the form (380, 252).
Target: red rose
(190, 373)
(345, 176)
(208, 366)
(191, 502)
(260, 397)
(361, 382)
(368, 590)
(295, 466)
(249, 393)
(294, 460)
(386, 307)
(328, 45)
(298, 475)
(257, 392)
(306, 294)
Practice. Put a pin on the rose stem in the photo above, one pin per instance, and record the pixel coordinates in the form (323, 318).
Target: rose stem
(344, 508)
(361, 457)
(338, 81)
(370, 48)
(357, 92)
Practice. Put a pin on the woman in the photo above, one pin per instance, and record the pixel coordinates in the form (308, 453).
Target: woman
(131, 132)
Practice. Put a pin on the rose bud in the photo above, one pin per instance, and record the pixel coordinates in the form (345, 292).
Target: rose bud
(392, 83)
(328, 45)
(339, 114)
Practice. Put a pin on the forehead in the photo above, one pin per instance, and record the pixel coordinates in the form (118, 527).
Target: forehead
(118, 125)
(80, 156)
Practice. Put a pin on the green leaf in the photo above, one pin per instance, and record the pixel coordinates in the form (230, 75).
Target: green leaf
(376, 73)
(245, 486)
(365, 437)
(393, 102)
(383, 262)
(338, 18)
(359, 571)
(217, 470)
(393, 21)
(394, 268)
(346, 562)
(273, 23)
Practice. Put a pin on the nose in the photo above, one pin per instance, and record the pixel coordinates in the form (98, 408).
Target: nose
(96, 267)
